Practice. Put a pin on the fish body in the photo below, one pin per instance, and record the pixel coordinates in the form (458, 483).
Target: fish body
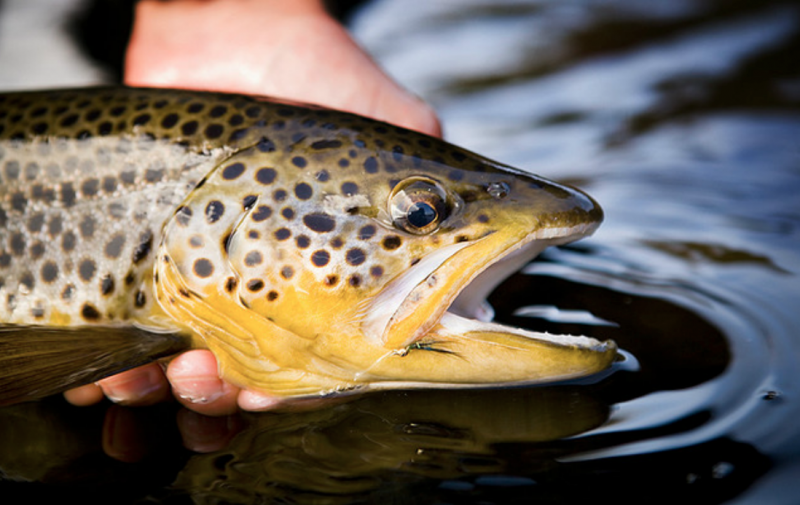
(313, 251)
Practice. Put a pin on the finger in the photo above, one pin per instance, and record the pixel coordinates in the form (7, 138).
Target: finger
(197, 386)
(84, 395)
(141, 386)
(258, 402)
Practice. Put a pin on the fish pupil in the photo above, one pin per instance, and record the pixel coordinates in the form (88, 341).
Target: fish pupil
(421, 214)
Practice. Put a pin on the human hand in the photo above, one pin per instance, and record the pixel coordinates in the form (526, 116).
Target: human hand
(292, 50)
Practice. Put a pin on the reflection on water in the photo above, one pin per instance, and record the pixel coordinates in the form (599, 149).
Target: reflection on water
(682, 118)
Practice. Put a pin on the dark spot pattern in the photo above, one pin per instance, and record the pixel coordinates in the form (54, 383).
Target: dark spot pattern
(253, 258)
(254, 285)
(303, 191)
(89, 312)
(320, 258)
(261, 213)
(114, 246)
(287, 272)
(86, 269)
(355, 257)
(272, 296)
(266, 176)
(214, 211)
(233, 171)
(49, 272)
(203, 268)
(319, 222)
(107, 285)
(392, 242)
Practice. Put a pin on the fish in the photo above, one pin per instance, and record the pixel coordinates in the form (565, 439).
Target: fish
(314, 252)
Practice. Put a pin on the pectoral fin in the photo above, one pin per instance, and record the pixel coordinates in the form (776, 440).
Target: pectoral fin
(38, 361)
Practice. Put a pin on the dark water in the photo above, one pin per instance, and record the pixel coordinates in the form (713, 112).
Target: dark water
(683, 119)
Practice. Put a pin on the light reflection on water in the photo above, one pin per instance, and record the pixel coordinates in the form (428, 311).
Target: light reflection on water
(681, 120)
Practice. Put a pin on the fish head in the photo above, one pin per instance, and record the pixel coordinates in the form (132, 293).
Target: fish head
(364, 260)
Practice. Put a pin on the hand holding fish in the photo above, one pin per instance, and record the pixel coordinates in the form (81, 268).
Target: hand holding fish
(293, 50)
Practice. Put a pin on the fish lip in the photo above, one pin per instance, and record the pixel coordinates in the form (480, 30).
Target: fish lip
(379, 316)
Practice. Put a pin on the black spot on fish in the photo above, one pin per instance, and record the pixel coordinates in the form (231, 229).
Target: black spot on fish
(355, 257)
(214, 130)
(17, 244)
(69, 120)
(253, 258)
(326, 144)
(303, 191)
(140, 299)
(266, 176)
(249, 201)
(354, 280)
(280, 195)
(189, 127)
(109, 184)
(68, 241)
(337, 242)
(218, 111)
(36, 222)
(323, 176)
(37, 250)
(288, 213)
(391, 242)
(235, 120)
(87, 226)
(349, 188)
(287, 272)
(153, 175)
(319, 222)
(27, 280)
(254, 285)
(367, 232)
(141, 120)
(18, 201)
(86, 269)
(272, 296)
(89, 313)
(203, 268)
(283, 234)
(371, 165)
(214, 211)
(253, 111)
(90, 187)
(230, 284)
(114, 246)
(169, 120)
(299, 162)
(233, 171)
(320, 257)
(49, 271)
(376, 271)
(302, 241)
(195, 108)
(141, 251)
(344, 163)
(261, 213)
(107, 285)
(332, 280)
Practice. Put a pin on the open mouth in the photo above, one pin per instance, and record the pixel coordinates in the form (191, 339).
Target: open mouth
(448, 289)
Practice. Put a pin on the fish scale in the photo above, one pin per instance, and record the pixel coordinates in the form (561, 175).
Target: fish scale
(311, 250)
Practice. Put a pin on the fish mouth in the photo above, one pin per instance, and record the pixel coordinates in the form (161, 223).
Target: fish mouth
(439, 332)
(453, 283)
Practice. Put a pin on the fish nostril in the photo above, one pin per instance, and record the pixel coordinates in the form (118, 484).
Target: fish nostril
(498, 190)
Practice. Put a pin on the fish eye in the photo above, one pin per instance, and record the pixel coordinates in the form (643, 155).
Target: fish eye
(418, 205)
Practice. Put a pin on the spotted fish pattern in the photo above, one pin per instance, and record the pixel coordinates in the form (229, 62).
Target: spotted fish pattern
(300, 244)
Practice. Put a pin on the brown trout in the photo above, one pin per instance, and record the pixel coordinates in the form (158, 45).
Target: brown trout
(312, 251)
